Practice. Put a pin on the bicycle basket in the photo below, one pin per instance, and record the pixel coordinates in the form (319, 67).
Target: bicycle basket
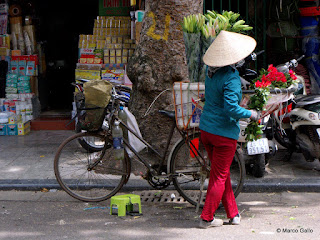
(187, 104)
(91, 118)
(97, 94)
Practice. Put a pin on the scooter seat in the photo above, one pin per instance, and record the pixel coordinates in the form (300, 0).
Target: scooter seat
(307, 100)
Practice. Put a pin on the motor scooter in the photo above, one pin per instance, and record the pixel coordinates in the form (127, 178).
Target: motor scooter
(297, 124)
(255, 154)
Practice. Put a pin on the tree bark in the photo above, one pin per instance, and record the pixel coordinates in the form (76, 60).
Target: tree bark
(159, 61)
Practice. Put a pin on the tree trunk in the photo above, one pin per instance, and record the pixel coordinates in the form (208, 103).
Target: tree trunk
(159, 61)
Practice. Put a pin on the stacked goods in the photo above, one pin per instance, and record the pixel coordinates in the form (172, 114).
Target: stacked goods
(16, 111)
(200, 30)
(118, 50)
(23, 69)
(104, 54)
(24, 84)
(4, 37)
(11, 83)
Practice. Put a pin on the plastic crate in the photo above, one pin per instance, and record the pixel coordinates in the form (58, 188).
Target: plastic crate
(188, 107)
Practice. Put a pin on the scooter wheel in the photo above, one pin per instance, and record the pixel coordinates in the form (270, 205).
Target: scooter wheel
(259, 166)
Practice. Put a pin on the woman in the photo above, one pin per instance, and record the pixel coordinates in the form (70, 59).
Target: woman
(219, 123)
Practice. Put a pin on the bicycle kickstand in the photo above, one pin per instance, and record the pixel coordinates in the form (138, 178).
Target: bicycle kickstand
(202, 179)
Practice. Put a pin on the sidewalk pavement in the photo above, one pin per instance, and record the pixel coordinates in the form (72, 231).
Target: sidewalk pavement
(26, 215)
(27, 164)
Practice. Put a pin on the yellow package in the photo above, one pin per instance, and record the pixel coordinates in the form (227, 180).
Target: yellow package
(118, 52)
(106, 60)
(112, 60)
(118, 46)
(118, 59)
(124, 60)
(125, 52)
(112, 52)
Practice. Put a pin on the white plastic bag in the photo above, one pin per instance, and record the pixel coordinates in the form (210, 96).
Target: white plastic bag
(133, 140)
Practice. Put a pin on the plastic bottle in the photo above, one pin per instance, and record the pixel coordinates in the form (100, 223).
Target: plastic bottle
(123, 117)
(117, 135)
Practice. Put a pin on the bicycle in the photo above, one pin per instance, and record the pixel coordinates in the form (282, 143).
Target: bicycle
(97, 176)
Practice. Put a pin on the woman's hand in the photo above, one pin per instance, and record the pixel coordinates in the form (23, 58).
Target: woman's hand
(255, 115)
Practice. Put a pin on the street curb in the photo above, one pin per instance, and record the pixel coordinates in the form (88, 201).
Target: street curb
(256, 185)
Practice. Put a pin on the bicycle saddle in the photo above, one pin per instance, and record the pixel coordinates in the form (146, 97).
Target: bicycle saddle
(170, 114)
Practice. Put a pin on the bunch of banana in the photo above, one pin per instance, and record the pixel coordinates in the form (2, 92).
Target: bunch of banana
(226, 21)
(193, 23)
(210, 28)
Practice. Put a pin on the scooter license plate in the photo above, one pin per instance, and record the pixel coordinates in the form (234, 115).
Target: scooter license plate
(258, 147)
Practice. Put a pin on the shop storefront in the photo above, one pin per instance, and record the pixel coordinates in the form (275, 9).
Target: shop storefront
(47, 45)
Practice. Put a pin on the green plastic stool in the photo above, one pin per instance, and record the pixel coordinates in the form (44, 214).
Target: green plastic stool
(125, 203)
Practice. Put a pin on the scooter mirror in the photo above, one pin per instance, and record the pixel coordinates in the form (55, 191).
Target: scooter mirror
(284, 68)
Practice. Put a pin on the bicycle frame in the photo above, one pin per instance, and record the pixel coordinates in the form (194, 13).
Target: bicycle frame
(162, 158)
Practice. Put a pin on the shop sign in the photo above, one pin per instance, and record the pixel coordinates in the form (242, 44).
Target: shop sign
(114, 7)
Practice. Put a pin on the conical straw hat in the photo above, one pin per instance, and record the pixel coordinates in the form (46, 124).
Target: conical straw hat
(228, 48)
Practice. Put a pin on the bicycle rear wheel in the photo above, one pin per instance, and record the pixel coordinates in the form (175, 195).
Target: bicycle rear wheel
(87, 176)
(187, 171)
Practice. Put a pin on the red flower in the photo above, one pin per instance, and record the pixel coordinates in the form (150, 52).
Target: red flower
(292, 75)
(257, 84)
(262, 84)
(271, 68)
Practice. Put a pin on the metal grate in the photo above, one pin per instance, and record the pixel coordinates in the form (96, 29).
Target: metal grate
(164, 196)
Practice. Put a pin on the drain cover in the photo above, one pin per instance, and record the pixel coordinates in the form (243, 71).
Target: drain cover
(164, 196)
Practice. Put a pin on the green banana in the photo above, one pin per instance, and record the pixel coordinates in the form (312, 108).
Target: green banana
(247, 28)
(212, 13)
(222, 18)
(234, 17)
(212, 23)
(238, 23)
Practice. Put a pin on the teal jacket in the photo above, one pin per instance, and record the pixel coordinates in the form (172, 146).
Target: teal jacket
(221, 112)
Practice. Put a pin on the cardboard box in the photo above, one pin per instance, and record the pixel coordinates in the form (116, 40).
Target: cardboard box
(23, 65)
(87, 74)
(15, 52)
(15, 65)
(3, 129)
(12, 129)
(113, 75)
(31, 69)
(24, 128)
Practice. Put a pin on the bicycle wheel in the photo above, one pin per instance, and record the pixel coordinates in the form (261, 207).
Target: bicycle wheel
(91, 144)
(79, 177)
(187, 171)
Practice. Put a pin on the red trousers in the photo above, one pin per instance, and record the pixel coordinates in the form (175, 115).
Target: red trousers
(221, 151)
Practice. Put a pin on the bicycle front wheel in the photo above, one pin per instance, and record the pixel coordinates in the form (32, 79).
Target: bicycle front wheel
(88, 176)
(187, 170)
